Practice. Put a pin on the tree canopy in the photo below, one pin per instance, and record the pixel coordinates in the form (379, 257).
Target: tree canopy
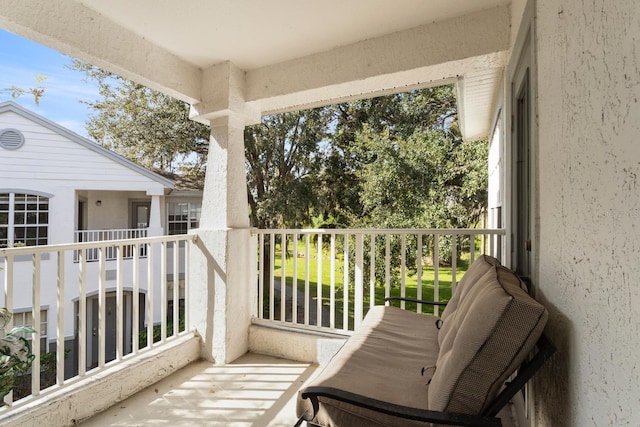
(144, 125)
(395, 161)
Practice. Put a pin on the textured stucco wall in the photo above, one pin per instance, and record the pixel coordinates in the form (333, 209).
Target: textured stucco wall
(589, 201)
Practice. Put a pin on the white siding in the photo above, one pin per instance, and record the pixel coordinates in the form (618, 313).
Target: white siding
(48, 161)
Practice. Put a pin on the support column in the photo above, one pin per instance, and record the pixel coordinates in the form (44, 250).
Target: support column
(155, 217)
(222, 291)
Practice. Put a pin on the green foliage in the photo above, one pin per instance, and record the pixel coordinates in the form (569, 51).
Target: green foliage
(157, 331)
(144, 125)
(36, 92)
(283, 159)
(413, 169)
(394, 161)
(15, 353)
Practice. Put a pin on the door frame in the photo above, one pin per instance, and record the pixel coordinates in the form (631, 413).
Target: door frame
(521, 72)
(133, 206)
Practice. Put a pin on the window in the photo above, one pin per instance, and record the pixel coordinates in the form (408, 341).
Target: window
(24, 220)
(182, 217)
(25, 318)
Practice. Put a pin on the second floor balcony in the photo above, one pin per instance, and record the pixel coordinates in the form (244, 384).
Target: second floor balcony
(125, 324)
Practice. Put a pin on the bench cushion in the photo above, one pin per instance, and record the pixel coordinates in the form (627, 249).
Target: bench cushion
(385, 365)
(493, 328)
(477, 269)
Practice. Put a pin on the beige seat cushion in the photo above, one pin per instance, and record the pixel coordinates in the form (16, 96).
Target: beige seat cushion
(478, 268)
(385, 365)
(496, 324)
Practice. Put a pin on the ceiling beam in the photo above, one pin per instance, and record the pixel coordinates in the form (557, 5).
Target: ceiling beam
(426, 55)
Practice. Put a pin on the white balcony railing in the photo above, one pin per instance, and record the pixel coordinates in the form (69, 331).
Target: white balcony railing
(114, 234)
(301, 277)
(108, 313)
(302, 273)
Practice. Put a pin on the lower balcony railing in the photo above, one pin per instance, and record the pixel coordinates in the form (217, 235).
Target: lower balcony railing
(114, 234)
(92, 315)
(328, 279)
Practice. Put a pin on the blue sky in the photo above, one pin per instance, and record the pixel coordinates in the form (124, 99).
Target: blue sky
(21, 60)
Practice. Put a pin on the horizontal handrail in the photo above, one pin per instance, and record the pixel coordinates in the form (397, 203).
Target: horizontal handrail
(98, 244)
(383, 231)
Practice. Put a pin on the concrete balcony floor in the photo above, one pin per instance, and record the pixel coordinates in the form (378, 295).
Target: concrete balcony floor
(255, 390)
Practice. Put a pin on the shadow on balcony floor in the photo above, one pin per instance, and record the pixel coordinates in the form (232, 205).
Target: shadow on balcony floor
(253, 391)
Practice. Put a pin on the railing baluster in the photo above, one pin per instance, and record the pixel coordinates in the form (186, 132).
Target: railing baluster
(150, 292)
(8, 287)
(260, 276)
(135, 324)
(403, 269)
(358, 302)
(332, 284)
(8, 303)
(345, 285)
(419, 272)
(436, 269)
(491, 246)
(472, 248)
(307, 274)
(35, 316)
(119, 304)
(387, 266)
(60, 351)
(372, 271)
(187, 262)
(163, 291)
(176, 287)
(283, 277)
(294, 282)
(102, 307)
(272, 261)
(454, 261)
(82, 314)
(319, 283)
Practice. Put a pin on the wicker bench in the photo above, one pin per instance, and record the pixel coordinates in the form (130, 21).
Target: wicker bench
(406, 369)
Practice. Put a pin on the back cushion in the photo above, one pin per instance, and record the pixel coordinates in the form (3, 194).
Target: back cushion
(495, 326)
(478, 269)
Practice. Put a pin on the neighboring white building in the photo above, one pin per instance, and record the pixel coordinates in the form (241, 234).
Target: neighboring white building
(57, 187)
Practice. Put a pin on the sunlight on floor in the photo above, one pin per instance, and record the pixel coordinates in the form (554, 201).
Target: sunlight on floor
(253, 391)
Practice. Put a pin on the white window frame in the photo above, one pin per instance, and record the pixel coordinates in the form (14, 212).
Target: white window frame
(11, 226)
(192, 219)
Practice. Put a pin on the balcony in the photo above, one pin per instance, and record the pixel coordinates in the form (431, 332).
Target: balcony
(111, 252)
(119, 321)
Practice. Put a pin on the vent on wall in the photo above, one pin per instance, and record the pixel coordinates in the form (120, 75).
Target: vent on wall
(11, 139)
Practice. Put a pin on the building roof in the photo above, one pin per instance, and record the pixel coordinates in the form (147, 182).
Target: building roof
(184, 183)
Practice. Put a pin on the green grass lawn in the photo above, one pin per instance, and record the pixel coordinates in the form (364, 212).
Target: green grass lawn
(411, 282)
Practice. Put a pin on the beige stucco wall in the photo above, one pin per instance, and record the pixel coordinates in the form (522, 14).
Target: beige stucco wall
(589, 202)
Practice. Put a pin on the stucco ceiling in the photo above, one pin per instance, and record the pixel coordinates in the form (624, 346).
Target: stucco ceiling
(256, 33)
